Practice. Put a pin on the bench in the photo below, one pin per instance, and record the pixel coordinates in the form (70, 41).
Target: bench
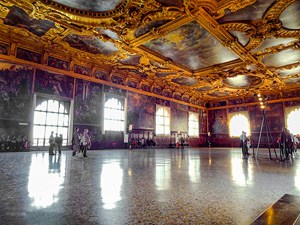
(285, 212)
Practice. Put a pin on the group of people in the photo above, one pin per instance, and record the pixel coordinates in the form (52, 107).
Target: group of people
(81, 142)
(288, 143)
(55, 143)
(13, 143)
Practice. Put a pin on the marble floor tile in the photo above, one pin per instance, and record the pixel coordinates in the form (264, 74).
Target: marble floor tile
(148, 186)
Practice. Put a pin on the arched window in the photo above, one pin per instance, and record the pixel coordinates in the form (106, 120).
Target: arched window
(193, 124)
(50, 115)
(162, 119)
(239, 122)
(114, 115)
(293, 119)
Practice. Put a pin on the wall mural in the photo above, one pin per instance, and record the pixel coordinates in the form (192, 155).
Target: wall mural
(4, 49)
(15, 87)
(58, 63)
(256, 115)
(179, 117)
(19, 18)
(29, 55)
(202, 121)
(218, 121)
(87, 102)
(53, 84)
(140, 111)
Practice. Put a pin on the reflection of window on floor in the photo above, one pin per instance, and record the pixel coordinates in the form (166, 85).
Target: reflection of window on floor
(50, 115)
(239, 122)
(293, 120)
(114, 115)
(162, 120)
(193, 124)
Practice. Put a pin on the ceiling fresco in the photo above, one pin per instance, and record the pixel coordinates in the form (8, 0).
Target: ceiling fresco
(191, 46)
(242, 81)
(90, 44)
(17, 17)
(95, 5)
(208, 50)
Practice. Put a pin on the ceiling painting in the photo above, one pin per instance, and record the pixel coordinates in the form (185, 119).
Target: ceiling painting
(242, 81)
(192, 46)
(204, 88)
(291, 17)
(218, 94)
(178, 3)
(292, 80)
(109, 33)
(282, 58)
(151, 25)
(288, 72)
(188, 81)
(19, 18)
(90, 44)
(270, 42)
(94, 6)
(250, 13)
(131, 60)
(241, 36)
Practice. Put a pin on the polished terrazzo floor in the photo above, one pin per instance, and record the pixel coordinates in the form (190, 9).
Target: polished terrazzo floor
(161, 186)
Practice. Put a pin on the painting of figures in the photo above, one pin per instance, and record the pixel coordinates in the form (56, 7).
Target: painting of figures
(87, 102)
(141, 111)
(179, 117)
(53, 84)
(15, 88)
(218, 121)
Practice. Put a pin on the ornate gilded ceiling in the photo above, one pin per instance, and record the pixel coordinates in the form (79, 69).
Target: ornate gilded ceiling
(200, 50)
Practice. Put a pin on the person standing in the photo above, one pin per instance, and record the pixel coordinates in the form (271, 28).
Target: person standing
(243, 143)
(76, 141)
(58, 141)
(86, 141)
(51, 144)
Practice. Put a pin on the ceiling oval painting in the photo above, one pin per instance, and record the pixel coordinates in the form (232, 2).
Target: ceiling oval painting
(242, 81)
(188, 81)
(90, 44)
(290, 17)
(191, 46)
(204, 88)
(94, 6)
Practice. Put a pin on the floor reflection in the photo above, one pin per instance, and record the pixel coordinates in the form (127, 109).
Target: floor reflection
(46, 176)
(110, 183)
(241, 171)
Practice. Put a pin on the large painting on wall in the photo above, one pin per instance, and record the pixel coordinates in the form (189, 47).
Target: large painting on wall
(87, 102)
(15, 88)
(53, 84)
(218, 121)
(179, 117)
(141, 111)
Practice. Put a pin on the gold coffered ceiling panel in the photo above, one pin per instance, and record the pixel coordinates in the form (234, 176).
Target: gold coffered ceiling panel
(207, 50)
